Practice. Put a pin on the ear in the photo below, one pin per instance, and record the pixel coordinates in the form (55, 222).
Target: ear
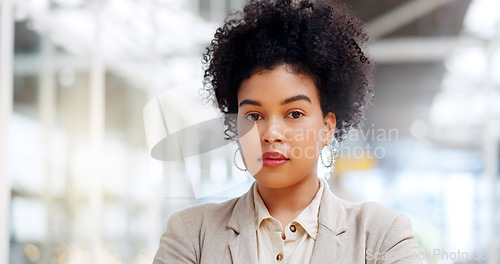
(330, 123)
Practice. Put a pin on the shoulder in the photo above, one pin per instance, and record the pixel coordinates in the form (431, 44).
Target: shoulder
(386, 232)
(369, 215)
(206, 214)
(374, 214)
(188, 230)
(375, 218)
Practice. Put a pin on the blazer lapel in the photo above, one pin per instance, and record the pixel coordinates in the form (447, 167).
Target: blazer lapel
(328, 246)
(243, 247)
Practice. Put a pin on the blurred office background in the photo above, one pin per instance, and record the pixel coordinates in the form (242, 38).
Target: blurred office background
(78, 183)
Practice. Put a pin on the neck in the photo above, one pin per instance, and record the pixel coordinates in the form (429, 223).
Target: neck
(285, 204)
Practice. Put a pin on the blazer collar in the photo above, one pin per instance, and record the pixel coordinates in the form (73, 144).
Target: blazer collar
(332, 212)
(332, 224)
(243, 247)
(243, 212)
(328, 246)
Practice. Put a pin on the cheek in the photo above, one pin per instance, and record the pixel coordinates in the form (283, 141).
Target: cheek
(251, 148)
(247, 133)
(307, 143)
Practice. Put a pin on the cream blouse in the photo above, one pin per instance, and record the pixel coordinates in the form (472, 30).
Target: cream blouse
(300, 234)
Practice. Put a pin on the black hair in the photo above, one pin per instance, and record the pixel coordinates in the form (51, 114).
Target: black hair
(319, 38)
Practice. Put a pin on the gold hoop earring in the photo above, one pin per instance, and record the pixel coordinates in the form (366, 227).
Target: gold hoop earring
(331, 161)
(234, 161)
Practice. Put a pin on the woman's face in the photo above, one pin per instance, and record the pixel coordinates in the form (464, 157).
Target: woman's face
(281, 127)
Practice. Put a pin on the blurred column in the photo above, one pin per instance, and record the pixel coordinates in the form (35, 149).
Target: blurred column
(156, 171)
(235, 4)
(96, 123)
(47, 112)
(490, 151)
(6, 98)
(217, 10)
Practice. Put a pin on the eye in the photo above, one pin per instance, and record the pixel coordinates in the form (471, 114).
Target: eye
(253, 117)
(295, 114)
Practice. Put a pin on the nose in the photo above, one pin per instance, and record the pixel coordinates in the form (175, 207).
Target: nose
(272, 133)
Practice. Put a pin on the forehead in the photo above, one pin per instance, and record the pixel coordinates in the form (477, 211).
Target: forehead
(277, 84)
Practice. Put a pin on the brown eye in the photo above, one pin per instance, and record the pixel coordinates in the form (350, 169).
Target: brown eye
(253, 117)
(295, 114)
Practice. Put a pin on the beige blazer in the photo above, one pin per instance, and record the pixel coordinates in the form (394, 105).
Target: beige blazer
(348, 233)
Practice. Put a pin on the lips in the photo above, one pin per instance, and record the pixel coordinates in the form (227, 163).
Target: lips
(274, 159)
(274, 156)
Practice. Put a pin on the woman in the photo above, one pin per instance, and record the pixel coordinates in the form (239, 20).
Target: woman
(291, 79)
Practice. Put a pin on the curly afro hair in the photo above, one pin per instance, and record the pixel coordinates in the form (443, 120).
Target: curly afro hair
(321, 39)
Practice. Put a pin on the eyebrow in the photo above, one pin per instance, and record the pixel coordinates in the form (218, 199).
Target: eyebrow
(286, 101)
(296, 98)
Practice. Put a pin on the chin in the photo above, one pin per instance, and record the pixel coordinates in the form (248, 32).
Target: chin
(274, 180)
(272, 184)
